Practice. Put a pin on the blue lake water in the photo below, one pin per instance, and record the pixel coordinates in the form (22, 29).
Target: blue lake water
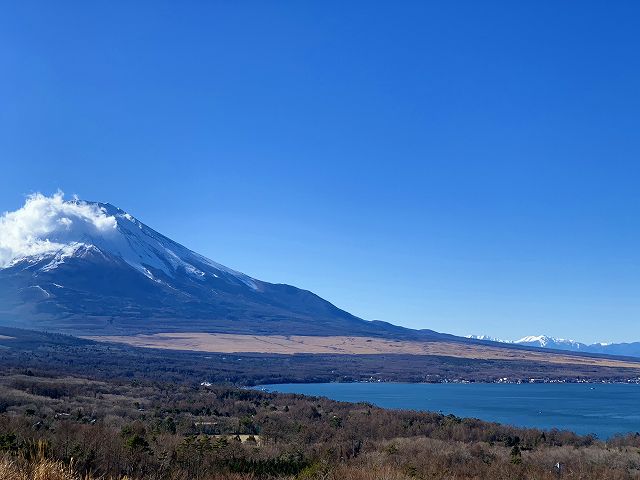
(601, 409)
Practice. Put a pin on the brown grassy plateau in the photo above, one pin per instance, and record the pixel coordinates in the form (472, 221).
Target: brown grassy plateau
(351, 345)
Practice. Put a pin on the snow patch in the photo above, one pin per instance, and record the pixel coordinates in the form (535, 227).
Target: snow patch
(38, 287)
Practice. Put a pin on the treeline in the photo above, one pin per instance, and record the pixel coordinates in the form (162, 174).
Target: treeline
(155, 430)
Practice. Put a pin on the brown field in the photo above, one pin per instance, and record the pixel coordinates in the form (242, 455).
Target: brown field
(278, 344)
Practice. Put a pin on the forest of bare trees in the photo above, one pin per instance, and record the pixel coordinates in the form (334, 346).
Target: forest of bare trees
(56, 427)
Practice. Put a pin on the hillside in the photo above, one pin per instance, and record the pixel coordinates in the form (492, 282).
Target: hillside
(61, 426)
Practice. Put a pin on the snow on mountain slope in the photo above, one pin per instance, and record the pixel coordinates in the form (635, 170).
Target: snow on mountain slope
(549, 342)
(54, 229)
(542, 341)
(486, 338)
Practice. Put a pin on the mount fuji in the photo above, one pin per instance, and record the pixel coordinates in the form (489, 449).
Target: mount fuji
(86, 267)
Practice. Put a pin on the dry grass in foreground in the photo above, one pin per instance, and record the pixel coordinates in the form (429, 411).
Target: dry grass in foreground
(42, 469)
(45, 469)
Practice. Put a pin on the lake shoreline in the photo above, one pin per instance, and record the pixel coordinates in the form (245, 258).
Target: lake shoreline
(602, 409)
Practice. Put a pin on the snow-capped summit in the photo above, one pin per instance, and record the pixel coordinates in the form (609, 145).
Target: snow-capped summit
(47, 231)
(545, 341)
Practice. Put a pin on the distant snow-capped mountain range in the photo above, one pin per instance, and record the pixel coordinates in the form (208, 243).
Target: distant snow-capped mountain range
(543, 341)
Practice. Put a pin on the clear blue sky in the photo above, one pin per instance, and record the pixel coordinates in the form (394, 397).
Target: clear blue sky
(466, 166)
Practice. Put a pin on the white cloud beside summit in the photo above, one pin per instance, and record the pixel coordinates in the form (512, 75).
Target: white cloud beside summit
(48, 224)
